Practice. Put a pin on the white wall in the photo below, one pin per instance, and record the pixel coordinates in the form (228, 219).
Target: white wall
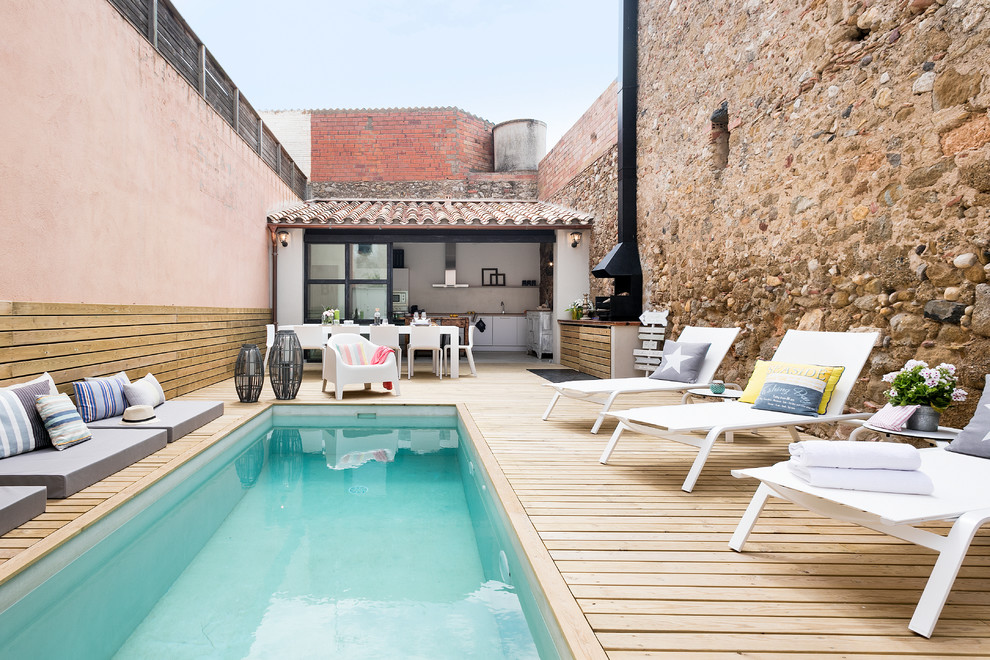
(571, 273)
(292, 128)
(519, 261)
(290, 280)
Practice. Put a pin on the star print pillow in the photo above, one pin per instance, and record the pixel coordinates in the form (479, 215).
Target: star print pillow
(681, 362)
(974, 439)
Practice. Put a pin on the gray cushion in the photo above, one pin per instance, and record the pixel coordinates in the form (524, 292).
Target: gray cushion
(681, 362)
(971, 439)
(19, 504)
(177, 417)
(27, 394)
(66, 472)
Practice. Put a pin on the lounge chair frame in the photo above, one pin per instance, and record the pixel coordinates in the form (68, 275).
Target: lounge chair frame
(958, 496)
(606, 391)
(682, 423)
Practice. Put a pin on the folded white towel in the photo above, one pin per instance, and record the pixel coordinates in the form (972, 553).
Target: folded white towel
(860, 455)
(911, 482)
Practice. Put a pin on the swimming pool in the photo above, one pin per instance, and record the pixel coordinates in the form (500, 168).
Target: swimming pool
(312, 531)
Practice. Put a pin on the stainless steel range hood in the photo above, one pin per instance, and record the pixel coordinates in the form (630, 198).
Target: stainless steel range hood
(450, 268)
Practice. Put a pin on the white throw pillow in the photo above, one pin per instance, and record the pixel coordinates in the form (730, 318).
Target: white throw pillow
(144, 392)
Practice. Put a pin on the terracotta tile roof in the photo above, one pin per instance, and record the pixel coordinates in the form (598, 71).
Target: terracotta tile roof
(431, 213)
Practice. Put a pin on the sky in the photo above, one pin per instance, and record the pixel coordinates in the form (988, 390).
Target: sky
(498, 59)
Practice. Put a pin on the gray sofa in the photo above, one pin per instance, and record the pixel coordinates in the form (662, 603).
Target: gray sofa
(68, 471)
(19, 504)
(176, 417)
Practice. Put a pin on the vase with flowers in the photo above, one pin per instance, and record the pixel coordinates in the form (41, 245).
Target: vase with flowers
(932, 389)
(576, 309)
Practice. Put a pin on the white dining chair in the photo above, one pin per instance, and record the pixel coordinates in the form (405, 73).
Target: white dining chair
(386, 335)
(468, 351)
(310, 336)
(343, 329)
(425, 338)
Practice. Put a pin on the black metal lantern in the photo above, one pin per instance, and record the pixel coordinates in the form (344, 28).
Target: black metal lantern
(249, 373)
(285, 365)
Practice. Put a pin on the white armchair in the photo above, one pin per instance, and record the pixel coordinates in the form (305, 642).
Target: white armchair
(347, 361)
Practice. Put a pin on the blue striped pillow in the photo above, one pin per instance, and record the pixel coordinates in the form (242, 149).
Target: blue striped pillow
(62, 420)
(16, 435)
(99, 398)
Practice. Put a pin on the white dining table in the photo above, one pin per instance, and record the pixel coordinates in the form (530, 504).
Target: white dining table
(451, 331)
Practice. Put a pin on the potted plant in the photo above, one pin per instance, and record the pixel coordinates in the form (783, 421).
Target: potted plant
(576, 309)
(932, 388)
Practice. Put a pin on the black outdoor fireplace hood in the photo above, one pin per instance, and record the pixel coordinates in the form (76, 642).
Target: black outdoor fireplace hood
(622, 261)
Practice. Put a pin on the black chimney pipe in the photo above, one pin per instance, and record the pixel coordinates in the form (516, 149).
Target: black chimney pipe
(622, 262)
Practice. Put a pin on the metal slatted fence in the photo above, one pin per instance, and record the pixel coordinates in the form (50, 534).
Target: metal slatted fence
(163, 26)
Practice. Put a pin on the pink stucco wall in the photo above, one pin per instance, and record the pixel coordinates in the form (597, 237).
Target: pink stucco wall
(118, 183)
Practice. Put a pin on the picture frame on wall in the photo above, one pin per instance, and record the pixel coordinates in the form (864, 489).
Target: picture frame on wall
(488, 276)
(499, 279)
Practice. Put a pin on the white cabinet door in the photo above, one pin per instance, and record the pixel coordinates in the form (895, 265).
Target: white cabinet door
(484, 338)
(505, 331)
(522, 332)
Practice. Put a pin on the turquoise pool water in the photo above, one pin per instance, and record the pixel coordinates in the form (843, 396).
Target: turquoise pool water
(310, 533)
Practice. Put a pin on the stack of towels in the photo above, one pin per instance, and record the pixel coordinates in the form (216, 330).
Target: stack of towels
(884, 467)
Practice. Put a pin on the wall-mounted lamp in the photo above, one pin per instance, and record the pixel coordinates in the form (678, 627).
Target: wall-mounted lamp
(283, 237)
(575, 239)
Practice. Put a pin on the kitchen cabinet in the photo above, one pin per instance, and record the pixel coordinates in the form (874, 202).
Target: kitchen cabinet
(503, 332)
(539, 332)
(484, 337)
(599, 348)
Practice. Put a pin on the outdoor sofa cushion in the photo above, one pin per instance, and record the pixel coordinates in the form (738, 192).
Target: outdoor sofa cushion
(19, 504)
(16, 434)
(27, 392)
(66, 472)
(177, 417)
(764, 367)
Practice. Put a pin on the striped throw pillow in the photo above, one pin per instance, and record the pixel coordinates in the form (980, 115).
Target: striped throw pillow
(16, 435)
(99, 398)
(891, 417)
(62, 420)
(353, 354)
(27, 393)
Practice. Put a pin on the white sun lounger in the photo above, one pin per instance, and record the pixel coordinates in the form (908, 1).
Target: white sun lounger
(605, 391)
(684, 423)
(960, 495)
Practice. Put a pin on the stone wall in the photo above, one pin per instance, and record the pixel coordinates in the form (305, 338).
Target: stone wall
(490, 185)
(822, 164)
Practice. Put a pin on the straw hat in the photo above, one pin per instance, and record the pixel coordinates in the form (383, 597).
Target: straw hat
(139, 415)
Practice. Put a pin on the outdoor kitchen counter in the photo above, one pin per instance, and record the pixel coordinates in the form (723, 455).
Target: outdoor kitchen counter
(599, 348)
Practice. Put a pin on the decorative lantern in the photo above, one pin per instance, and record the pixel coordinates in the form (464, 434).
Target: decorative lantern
(285, 365)
(249, 373)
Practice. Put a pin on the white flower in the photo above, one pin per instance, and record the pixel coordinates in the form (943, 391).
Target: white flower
(958, 394)
(889, 378)
(911, 364)
(951, 369)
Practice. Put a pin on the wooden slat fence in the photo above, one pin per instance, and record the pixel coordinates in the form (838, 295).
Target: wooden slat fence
(160, 23)
(186, 348)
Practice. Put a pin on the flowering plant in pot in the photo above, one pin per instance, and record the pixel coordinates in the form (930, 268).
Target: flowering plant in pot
(577, 309)
(932, 388)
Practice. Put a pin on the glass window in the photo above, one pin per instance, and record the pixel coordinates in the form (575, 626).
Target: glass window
(322, 296)
(365, 298)
(326, 261)
(369, 261)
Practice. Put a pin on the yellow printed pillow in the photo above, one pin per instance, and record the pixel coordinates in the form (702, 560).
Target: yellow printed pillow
(829, 375)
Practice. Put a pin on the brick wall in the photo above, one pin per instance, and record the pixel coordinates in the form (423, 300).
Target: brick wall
(591, 136)
(409, 144)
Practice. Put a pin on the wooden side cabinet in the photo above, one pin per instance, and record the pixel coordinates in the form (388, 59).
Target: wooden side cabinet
(599, 348)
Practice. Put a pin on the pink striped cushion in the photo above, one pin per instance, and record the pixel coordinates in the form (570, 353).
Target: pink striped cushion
(353, 354)
(892, 417)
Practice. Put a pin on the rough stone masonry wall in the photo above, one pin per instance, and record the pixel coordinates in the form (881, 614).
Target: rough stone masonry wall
(846, 187)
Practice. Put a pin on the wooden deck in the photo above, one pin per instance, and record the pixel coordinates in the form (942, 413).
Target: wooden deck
(647, 564)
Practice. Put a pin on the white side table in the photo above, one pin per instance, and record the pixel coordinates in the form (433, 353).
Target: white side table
(943, 436)
(705, 393)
